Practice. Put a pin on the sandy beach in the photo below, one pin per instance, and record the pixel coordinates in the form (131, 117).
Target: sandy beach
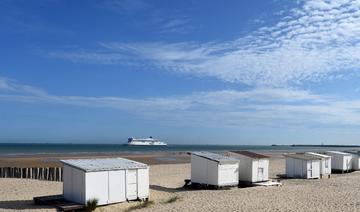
(339, 193)
(53, 160)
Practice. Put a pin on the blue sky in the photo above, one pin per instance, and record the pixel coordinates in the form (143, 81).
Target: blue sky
(207, 72)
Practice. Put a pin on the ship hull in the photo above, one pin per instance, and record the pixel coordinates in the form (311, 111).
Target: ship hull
(146, 144)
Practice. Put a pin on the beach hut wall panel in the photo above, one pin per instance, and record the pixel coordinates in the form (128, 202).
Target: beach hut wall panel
(213, 169)
(325, 163)
(143, 184)
(355, 159)
(228, 174)
(302, 166)
(253, 167)
(97, 187)
(356, 162)
(109, 180)
(74, 185)
(341, 161)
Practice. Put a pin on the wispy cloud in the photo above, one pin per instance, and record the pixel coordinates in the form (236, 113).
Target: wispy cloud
(125, 6)
(256, 107)
(318, 40)
(180, 25)
(12, 86)
(143, 13)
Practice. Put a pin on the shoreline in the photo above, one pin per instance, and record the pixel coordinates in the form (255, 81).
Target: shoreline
(148, 157)
(53, 160)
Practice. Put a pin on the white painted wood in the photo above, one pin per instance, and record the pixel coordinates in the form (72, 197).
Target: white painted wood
(131, 184)
(290, 167)
(325, 166)
(97, 186)
(210, 172)
(78, 188)
(246, 168)
(355, 162)
(266, 165)
(107, 186)
(325, 163)
(301, 171)
(143, 183)
(117, 190)
(297, 168)
(340, 161)
(228, 174)
(253, 169)
(67, 182)
(74, 191)
(198, 169)
(313, 169)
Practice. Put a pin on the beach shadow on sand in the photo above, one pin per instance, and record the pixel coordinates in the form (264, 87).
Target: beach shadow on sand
(21, 205)
(281, 177)
(166, 189)
(184, 188)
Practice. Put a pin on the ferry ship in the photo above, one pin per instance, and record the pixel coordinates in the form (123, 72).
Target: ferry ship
(145, 142)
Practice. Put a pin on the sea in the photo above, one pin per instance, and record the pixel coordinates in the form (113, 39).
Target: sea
(64, 148)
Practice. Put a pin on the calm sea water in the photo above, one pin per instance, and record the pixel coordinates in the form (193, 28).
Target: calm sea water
(14, 149)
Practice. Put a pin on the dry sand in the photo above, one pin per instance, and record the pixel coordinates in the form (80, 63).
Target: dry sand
(340, 193)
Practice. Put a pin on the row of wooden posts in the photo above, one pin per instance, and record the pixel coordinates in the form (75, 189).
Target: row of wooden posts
(39, 173)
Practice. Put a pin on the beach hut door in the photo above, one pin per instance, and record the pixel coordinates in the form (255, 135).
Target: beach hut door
(310, 170)
(131, 184)
(347, 163)
(260, 174)
(116, 186)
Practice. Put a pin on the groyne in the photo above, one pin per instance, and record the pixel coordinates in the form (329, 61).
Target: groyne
(39, 173)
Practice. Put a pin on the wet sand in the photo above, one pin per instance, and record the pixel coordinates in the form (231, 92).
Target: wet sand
(53, 160)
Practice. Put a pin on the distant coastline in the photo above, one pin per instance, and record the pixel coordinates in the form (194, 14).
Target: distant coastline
(323, 145)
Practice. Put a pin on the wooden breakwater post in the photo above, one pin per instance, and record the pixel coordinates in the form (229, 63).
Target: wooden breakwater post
(39, 173)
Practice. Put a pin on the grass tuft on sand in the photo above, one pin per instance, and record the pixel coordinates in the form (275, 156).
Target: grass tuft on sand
(91, 204)
(141, 205)
(172, 199)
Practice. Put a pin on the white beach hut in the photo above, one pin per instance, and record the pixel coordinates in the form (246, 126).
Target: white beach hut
(355, 159)
(341, 161)
(109, 180)
(253, 167)
(325, 164)
(213, 169)
(302, 165)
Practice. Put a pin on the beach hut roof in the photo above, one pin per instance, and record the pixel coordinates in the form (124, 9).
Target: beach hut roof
(215, 157)
(251, 154)
(354, 152)
(319, 155)
(338, 152)
(303, 156)
(103, 164)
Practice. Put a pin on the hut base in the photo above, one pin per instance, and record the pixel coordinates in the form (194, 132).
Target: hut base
(243, 184)
(203, 186)
(337, 171)
(268, 183)
(59, 202)
(302, 177)
(322, 176)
